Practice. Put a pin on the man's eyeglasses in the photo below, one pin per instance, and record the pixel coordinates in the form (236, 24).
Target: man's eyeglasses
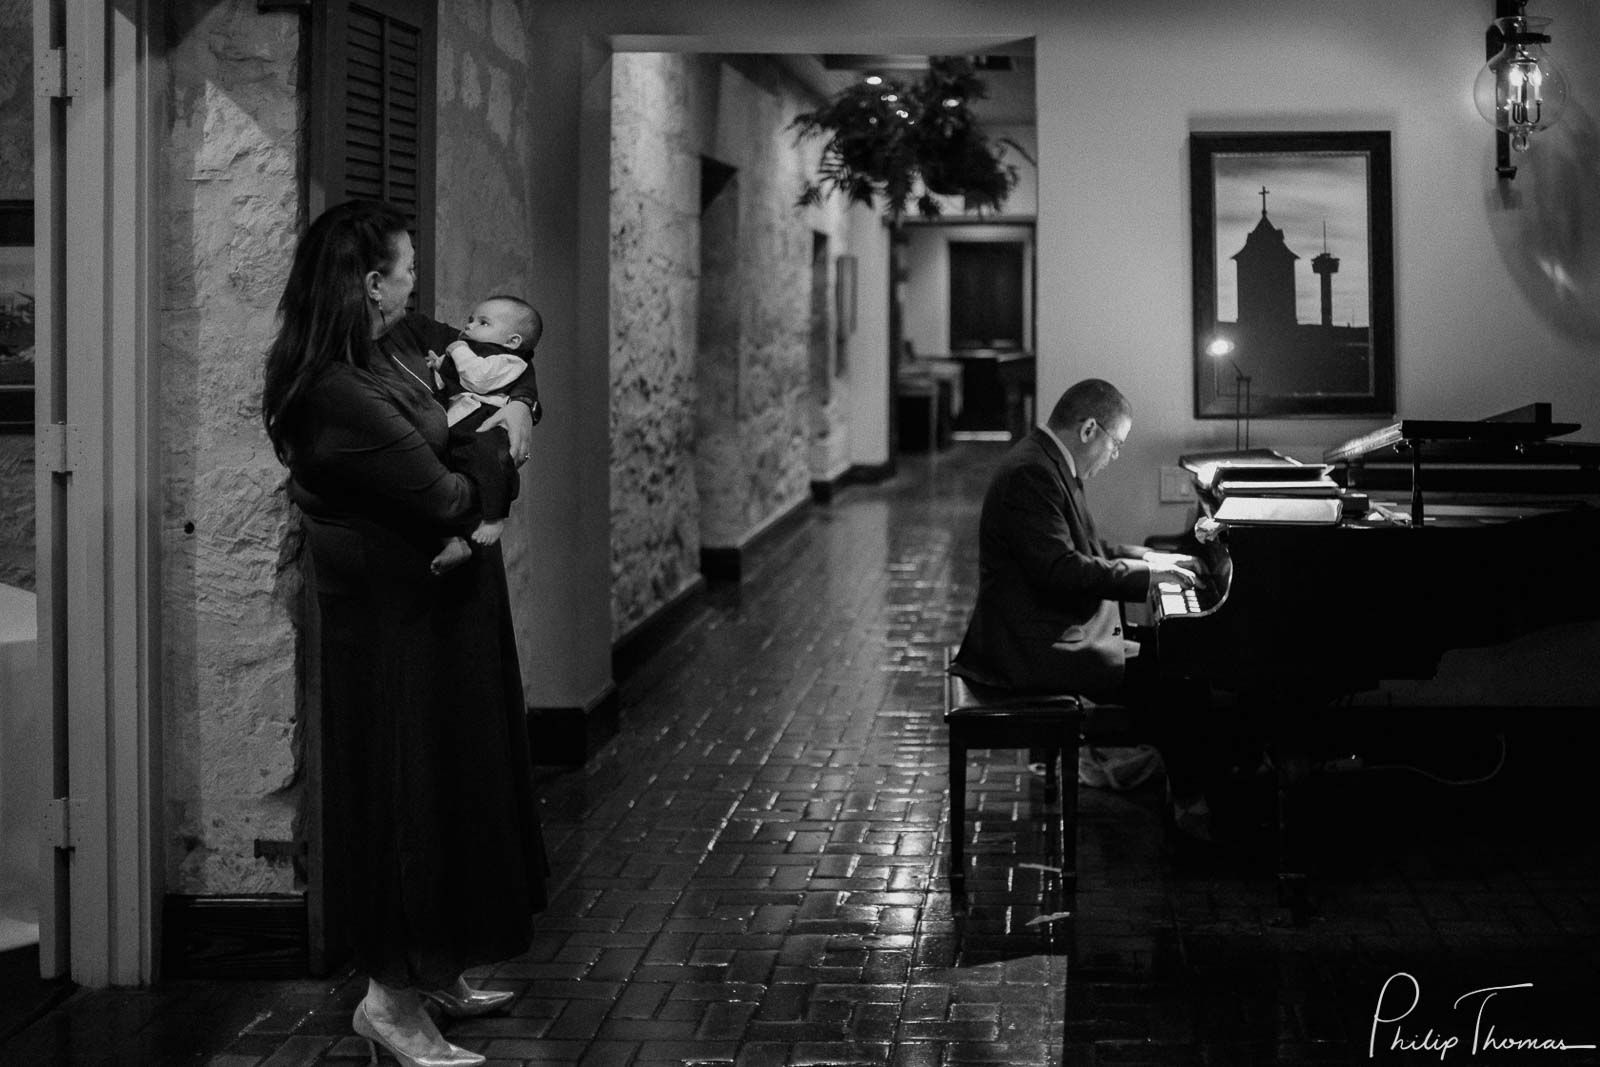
(1116, 442)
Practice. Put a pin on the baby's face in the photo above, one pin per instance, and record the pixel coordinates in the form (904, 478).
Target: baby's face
(491, 322)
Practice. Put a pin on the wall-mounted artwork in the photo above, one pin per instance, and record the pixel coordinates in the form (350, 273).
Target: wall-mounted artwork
(844, 309)
(1293, 274)
(16, 316)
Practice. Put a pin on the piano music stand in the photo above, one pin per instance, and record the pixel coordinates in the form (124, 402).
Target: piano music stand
(1460, 440)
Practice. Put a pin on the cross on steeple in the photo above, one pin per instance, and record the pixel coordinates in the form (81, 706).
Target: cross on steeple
(1263, 201)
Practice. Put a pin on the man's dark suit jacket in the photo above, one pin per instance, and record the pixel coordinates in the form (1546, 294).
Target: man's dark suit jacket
(1047, 617)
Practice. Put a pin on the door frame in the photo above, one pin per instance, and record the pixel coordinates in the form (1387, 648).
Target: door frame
(97, 471)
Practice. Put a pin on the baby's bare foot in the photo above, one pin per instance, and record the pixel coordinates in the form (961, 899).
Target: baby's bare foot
(455, 552)
(488, 533)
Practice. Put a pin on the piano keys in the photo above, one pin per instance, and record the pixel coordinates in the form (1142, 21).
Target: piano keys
(1174, 599)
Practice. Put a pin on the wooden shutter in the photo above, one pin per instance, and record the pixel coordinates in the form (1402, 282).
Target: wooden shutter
(372, 113)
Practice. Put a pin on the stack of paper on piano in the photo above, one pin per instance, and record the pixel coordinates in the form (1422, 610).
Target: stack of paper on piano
(1268, 510)
(1249, 479)
(1242, 473)
(1272, 487)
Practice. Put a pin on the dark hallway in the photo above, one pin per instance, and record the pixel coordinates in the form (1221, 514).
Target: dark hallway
(753, 873)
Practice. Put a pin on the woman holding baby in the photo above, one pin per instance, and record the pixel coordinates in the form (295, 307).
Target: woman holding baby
(431, 826)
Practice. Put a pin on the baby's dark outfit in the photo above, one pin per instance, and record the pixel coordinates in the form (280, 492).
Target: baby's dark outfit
(486, 457)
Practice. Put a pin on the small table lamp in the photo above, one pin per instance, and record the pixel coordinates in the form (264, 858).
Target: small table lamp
(1222, 348)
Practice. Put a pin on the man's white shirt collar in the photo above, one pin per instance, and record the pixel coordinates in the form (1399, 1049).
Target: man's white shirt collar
(1071, 466)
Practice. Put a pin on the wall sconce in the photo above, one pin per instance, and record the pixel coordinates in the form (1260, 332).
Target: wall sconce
(1222, 348)
(1519, 91)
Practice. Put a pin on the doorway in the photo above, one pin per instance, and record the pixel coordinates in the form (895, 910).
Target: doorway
(970, 316)
(986, 295)
(990, 337)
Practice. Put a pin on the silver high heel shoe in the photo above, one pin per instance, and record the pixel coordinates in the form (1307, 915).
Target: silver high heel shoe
(363, 1025)
(477, 1002)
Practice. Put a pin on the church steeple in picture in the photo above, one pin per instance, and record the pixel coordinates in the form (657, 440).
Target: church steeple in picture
(1266, 275)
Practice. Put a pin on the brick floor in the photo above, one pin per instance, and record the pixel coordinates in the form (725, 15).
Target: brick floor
(753, 873)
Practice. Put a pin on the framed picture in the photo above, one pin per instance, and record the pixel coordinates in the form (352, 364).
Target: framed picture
(844, 298)
(1293, 249)
(16, 316)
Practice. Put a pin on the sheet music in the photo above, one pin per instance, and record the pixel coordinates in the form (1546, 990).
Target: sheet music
(1267, 510)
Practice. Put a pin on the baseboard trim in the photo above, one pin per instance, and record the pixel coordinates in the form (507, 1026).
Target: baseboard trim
(568, 736)
(722, 564)
(870, 473)
(727, 564)
(648, 636)
(823, 490)
(234, 936)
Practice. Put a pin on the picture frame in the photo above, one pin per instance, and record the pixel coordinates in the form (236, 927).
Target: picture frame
(17, 294)
(1293, 273)
(844, 297)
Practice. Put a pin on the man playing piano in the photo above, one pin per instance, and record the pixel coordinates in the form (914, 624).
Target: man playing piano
(1047, 618)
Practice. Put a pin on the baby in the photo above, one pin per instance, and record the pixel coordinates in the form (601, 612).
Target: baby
(476, 375)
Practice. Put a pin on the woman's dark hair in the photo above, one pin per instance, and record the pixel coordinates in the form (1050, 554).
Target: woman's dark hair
(323, 316)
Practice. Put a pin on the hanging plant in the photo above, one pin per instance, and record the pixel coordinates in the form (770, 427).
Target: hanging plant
(902, 141)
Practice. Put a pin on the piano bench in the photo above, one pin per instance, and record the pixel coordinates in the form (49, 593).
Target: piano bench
(980, 716)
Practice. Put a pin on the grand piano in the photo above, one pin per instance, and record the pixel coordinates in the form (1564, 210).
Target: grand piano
(1327, 580)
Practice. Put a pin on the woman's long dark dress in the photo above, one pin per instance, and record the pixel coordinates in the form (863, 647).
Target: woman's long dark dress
(431, 828)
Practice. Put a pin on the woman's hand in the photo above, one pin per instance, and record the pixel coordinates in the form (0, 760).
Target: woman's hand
(516, 417)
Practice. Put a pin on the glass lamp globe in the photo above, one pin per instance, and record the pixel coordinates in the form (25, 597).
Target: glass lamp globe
(1519, 91)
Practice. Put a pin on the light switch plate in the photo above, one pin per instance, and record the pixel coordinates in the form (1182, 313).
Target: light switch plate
(1177, 485)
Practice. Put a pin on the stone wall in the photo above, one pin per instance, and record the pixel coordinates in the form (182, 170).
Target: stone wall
(16, 99)
(655, 267)
(716, 419)
(16, 511)
(753, 462)
(229, 208)
(16, 183)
